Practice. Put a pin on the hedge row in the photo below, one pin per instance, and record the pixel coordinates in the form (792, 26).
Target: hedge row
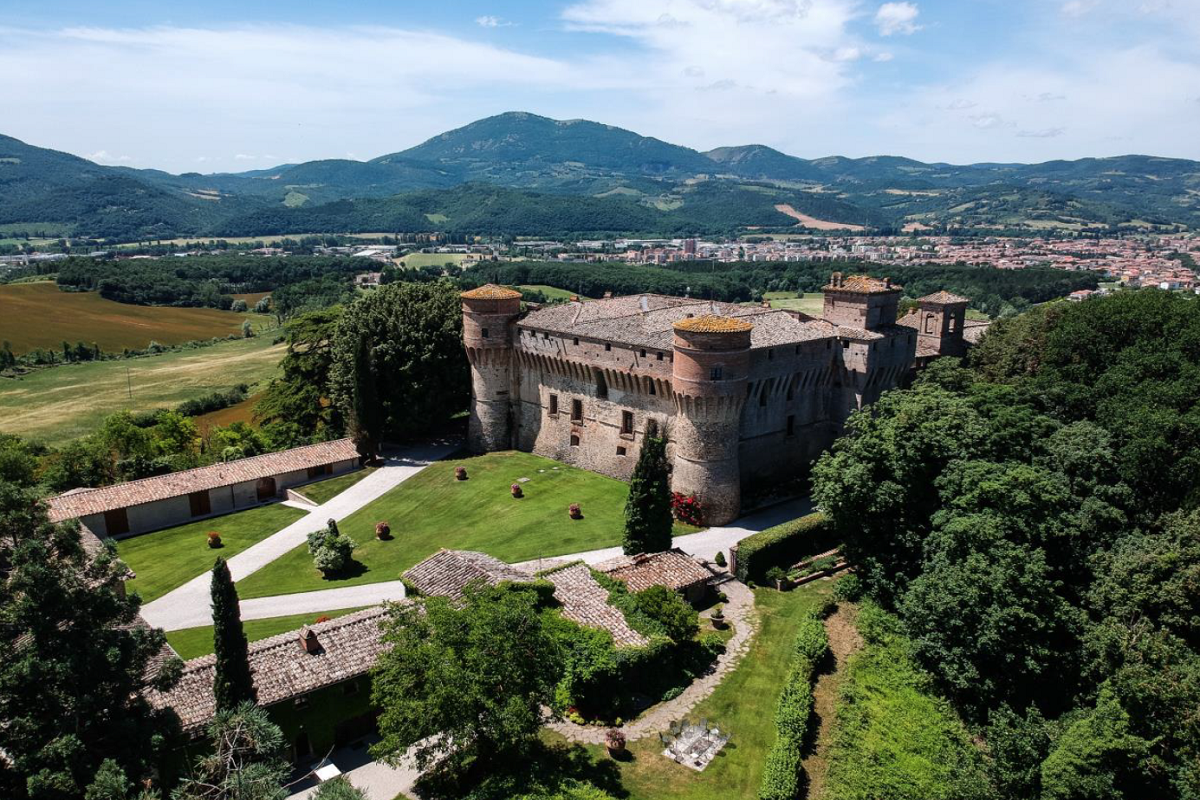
(781, 776)
(783, 546)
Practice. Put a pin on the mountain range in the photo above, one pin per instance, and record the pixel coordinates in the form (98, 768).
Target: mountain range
(522, 174)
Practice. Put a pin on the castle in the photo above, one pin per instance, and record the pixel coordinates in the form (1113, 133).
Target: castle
(743, 394)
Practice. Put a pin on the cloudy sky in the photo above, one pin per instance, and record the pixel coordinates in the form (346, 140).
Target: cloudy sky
(221, 85)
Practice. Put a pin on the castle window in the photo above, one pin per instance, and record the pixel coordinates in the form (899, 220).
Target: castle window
(577, 411)
(929, 323)
(715, 374)
(652, 387)
(601, 385)
(485, 333)
(828, 343)
(553, 404)
(620, 451)
(770, 355)
(846, 345)
(643, 354)
(791, 425)
(797, 349)
(545, 335)
(627, 422)
(659, 356)
(950, 325)
(607, 346)
(576, 341)
(574, 440)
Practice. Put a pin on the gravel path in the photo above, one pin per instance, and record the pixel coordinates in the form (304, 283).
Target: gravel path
(740, 613)
(188, 606)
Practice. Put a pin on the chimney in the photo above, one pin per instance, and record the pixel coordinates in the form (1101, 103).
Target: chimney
(309, 642)
(608, 295)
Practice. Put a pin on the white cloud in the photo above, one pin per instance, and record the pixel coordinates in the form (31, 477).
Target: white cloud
(105, 157)
(882, 57)
(1077, 8)
(959, 104)
(489, 21)
(987, 121)
(901, 18)
(244, 157)
(1044, 133)
(846, 54)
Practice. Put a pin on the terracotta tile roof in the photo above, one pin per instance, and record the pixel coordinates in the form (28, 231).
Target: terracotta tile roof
(447, 572)
(711, 323)
(943, 297)
(674, 569)
(863, 284)
(974, 329)
(585, 601)
(282, 670)
(175, 484)
(491, 291)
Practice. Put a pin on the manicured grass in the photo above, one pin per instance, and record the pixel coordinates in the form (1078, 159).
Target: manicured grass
(415, 260)
(169, 558)
(323, 491)
(62, 403)
(743, 705)
(39, 315)
(810, 303)
(432, 510)
(192, 643)
(551, 292)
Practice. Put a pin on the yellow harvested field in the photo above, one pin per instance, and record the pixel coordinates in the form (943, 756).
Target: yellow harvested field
(814, 223)
(62, 403)
(39, 315)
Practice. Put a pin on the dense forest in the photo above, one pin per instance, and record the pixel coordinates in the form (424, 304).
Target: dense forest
(1031, 523)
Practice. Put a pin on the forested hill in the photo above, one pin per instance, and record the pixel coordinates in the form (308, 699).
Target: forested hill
(593, 178)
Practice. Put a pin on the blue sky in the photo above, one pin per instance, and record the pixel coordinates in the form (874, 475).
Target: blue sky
(228, 86)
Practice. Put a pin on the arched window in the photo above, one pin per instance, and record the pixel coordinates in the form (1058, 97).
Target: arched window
(929, 323)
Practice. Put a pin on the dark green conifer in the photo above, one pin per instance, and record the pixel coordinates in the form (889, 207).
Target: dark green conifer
(232, 683)
(648, 510)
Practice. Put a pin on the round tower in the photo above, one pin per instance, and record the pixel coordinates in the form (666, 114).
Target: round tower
(709, 374)
(489, 314)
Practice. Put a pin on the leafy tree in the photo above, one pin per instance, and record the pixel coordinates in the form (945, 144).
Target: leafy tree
(245, 762)
(74, 659)
(232, 681)
(465, 683)
(1017, 746)
(295, 407)
(330, 548)
(648, 510)
(1096, 758)
(18, 463)
(416, 368)
(679, 620)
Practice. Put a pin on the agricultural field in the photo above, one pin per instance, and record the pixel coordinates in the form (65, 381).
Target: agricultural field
(810, 303)
(238, 412)
(417, 260)
(66, 402)
(39, 315)
(432, 510)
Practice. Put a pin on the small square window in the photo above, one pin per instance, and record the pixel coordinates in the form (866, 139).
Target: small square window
(577, 411)
(553, 404)
(715, 374)
(301, 702)
(626, 422)
(659, 356)
(620, 451)
(643, 354)
(574, 440)
(607, 346)
(486, 333)
(576, 341)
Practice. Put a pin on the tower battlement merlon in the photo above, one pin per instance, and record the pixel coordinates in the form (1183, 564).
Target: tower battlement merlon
(860, 301)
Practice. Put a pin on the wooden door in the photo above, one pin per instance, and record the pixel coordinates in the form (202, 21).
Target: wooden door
(200, 504)
(116, 522)
(266, 488)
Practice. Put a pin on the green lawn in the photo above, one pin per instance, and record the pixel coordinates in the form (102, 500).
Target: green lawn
(812, 303)
(743, 705)
(432, 510)
(195, 642)
(551, 292)
(169, 558)
(323, 491)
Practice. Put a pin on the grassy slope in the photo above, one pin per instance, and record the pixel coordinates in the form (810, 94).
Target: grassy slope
(195, 642)
(432, 510)
(169, 558)
(39, 315)
(810, 303)
(322, 491)
(743, 705)
(551, 292)
(238, 412)
(63, 403)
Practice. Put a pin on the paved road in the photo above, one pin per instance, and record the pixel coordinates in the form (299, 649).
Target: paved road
(188, 606)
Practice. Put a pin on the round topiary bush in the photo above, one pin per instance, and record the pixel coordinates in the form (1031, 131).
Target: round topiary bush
(214, 539)
(460, 473)
(516, 490)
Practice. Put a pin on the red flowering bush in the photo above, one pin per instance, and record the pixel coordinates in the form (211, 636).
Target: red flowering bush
(575, 511)
(686, 508)
(516, 490)
(320, 619)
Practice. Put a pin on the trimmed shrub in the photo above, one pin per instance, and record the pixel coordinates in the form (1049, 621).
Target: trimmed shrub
(719, 559)
(781, 773)
(782, 545)
(848, 588)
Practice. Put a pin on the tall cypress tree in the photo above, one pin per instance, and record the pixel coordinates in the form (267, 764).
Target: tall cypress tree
(232, 683)
(648, 510)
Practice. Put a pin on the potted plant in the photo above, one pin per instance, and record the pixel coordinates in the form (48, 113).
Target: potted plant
(460, 473)
(718, 617)
(575, 511)
(383, 531)
(777, 576)
(214, 539)
(614, 740)
(516, 491)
